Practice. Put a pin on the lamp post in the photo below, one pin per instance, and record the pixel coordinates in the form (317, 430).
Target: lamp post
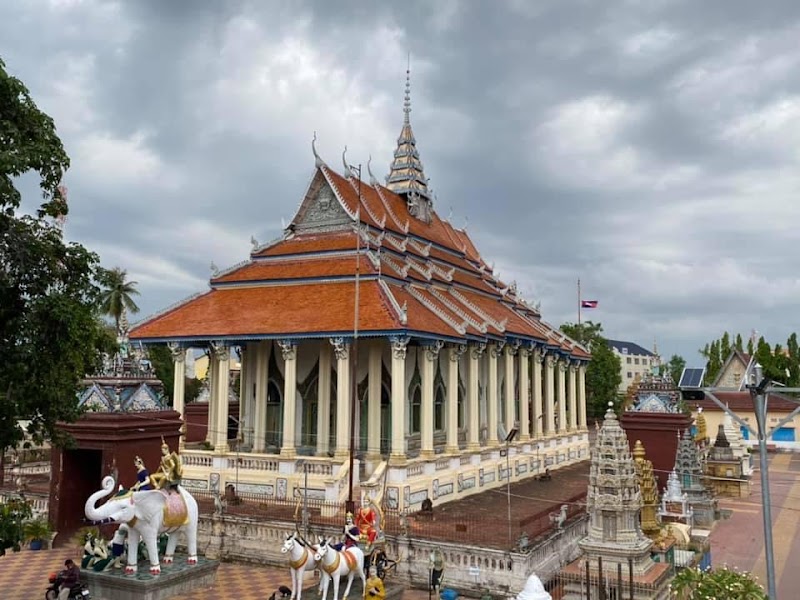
(304, 464)
(760, 388)
(509, 438)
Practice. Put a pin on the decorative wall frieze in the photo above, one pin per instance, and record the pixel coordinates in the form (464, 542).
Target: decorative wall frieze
(220, 350)
(432, 350)
(399, 346)
(340, 347)
(288, 349)
(177, 352)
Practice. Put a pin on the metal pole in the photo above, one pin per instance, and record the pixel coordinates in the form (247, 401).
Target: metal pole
(508, 492)
(601, 593)
(760, 406)
(305, 499)
(354, 404)
(588, 581)
(630, 577)
(619, 581)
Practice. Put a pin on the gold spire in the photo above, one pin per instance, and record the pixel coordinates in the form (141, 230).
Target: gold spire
(405, 173)
(649, 489)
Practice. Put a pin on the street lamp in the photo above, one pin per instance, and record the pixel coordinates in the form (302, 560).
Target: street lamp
(302, 463)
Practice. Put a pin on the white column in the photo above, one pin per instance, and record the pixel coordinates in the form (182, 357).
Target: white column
(491, 397)
(454, 353)
(550, 394)
(573, 415)
(510, 391)
(324, 399)
(536, 382)
(179, 384)
(374, 399)
(399, 346)
(289, 352)
(562, 396)
(582, 396)
(245, 393)
(211, 383)
(260, 411)
(343, 391)
(524, 400)
(222, 357)
(428, 364)
(473, 408)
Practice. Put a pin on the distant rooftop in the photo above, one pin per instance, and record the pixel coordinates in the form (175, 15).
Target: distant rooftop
(629, 348)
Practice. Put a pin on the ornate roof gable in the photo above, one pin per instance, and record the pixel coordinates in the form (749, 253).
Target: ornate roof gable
(321, 209)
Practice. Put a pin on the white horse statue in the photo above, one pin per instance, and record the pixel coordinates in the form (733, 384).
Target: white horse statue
(302, 558)
(337, 563)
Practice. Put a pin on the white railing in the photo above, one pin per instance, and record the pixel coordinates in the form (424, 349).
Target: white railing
(415, 469)
(193, 458)
(253, 464)
(442, 464)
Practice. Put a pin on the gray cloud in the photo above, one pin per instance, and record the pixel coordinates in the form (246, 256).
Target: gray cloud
(648, 148)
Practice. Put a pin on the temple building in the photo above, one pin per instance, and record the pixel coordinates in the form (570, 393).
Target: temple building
(373, 319)
(689, 470)
(617, 553)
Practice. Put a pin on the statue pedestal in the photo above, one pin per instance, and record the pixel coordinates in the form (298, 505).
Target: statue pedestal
(177, 578)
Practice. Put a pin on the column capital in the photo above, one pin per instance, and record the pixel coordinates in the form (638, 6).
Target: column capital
(177, 352)
(573, 366)
(341, 348)
(399, 346)
(457, 351)
(288, 349)
(220, 350)
(563, 365)
(432, 350)
(525, 351)
(478, 350)
(513, 348)
(551, 360)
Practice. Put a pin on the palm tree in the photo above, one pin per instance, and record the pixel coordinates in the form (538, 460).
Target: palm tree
(116, 293)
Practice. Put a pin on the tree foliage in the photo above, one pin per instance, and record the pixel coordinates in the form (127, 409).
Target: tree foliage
(603, 375)
(117, 292)
(50, 333)
(779, 363)
(14, 512)
(675, 367)
(695, 584)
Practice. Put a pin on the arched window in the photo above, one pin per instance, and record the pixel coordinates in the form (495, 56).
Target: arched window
(274, 429)
(416, 410)
(438, 409)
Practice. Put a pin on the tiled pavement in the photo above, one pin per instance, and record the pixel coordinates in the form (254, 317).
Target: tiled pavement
(23, 576)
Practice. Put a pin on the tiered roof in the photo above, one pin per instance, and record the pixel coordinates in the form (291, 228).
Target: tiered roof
(418, 275)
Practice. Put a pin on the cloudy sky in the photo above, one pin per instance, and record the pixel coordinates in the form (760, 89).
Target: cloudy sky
(649, 148)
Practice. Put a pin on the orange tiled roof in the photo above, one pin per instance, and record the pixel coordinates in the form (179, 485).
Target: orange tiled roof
(271, 305)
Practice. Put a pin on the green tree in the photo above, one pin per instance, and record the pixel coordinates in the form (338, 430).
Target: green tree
(794, 361)
(116, 294)
(50, 333)
(13, 515)
(738, 343)
(675, 367)
(696, 584)
(603, 375)
(714, 359)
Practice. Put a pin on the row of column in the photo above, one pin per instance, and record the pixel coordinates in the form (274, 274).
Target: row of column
(553, 380)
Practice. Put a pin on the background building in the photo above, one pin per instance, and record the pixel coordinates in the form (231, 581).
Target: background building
(634, 361)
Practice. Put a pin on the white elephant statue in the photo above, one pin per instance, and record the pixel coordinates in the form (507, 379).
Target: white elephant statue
(146, 515)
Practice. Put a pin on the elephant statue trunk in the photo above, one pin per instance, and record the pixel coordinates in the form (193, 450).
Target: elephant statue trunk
(90, 508)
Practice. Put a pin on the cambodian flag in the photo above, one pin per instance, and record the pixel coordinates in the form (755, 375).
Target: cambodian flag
(588, 303)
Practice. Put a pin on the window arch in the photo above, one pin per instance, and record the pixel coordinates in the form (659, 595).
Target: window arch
(438, 409)
(416, 410)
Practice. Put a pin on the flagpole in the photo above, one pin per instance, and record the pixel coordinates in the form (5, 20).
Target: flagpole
(579, 301)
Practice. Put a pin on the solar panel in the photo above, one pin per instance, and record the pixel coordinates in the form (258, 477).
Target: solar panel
(691, 378)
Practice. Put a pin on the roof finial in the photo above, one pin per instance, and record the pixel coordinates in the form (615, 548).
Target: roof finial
(373, 181)
(347, 173)
(407, 103)
(318, 162)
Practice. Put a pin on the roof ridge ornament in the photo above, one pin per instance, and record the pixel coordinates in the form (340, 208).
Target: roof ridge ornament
(373, 181)
(318, 162)
(347, 172)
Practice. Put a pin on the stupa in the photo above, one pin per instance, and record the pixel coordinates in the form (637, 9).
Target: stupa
(534, 590)
(675, 503)
(649, 489)
(615, 537)
(724, 469)
(738, 445)
(701, 435)
(690, 475)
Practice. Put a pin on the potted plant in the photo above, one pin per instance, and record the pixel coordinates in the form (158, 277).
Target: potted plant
(36, 532)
